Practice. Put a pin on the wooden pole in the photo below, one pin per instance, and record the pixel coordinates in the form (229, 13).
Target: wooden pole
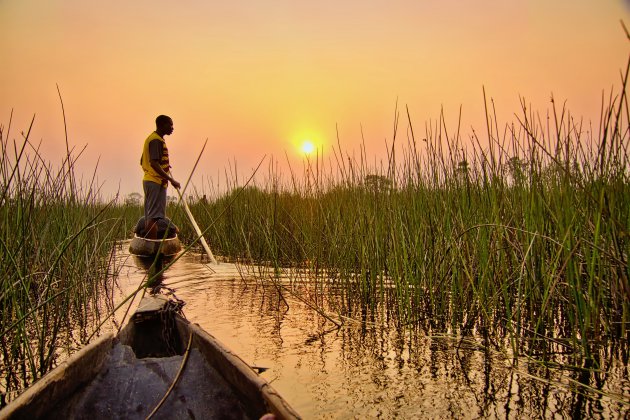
(196, 227)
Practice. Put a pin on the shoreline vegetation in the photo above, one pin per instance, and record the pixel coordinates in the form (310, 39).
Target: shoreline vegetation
(517, 238)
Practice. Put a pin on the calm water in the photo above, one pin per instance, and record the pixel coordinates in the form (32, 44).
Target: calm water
(364, 371)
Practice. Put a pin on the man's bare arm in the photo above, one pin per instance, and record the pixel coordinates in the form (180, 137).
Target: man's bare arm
(156, 166)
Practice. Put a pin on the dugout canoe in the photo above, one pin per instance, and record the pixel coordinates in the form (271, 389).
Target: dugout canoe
(128, 375)
(143, 247)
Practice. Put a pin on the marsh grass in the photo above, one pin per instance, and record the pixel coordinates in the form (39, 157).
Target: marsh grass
(519, 235)
(56, 244)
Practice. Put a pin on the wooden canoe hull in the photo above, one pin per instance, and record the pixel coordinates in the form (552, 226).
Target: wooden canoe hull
(87, 385)
(150, 247)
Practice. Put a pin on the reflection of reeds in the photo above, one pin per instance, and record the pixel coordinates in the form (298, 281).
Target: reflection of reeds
(523, 234)
(55, 241)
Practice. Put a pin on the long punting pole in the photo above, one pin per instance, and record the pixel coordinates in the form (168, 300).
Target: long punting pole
(194, 223)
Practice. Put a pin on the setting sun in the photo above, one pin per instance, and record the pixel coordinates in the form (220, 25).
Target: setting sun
(308, 147)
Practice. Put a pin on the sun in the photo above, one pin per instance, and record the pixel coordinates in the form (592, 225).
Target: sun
(308, 147)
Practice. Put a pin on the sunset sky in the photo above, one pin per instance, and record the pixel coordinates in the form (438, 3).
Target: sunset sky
(260, 77)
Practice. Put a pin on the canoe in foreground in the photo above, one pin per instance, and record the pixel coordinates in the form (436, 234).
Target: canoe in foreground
(149, 247)
(126, 376)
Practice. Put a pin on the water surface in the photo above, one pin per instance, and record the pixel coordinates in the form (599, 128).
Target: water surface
(373, 370)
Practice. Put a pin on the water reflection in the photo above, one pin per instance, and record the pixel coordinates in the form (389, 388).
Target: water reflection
(374, 369)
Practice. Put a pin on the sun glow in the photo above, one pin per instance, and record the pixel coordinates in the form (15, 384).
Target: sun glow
(308, 147)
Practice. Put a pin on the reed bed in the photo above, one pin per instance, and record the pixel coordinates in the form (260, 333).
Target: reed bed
(57, 240)
(519, 235)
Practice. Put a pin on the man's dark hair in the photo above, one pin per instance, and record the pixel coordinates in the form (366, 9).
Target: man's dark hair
(162, 119)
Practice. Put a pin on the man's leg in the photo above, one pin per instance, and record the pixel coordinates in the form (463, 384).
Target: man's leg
(154, 207)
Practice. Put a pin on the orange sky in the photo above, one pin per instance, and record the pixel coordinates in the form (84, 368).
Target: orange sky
(258, 77)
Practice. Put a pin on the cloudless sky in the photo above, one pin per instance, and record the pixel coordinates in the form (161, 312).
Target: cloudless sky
(259, 77)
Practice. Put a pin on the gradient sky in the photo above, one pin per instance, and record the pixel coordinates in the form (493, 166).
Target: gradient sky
(259, 77)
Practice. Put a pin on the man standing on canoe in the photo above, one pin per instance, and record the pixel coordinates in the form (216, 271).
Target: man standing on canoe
(156, 167)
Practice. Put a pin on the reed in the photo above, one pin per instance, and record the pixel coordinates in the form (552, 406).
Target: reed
(520, 235)
(56, 242)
